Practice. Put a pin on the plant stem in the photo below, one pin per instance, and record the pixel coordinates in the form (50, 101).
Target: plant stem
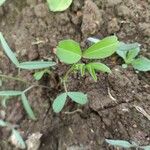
(12, 78)
(66, 77)
(32, 86)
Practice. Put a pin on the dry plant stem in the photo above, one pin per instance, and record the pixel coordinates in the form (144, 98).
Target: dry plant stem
(66, 77)
(12, 78)
(21, 80)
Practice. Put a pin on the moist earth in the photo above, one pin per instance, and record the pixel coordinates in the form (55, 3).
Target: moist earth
(33, 32)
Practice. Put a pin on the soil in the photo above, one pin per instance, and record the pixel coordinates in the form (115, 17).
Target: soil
(33, 32)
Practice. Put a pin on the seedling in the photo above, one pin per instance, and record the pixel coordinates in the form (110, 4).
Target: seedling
(69, 52)
(2, 2)
(14, 133)
(58, 5)
(129, 52)
(25, 65)
(126, 144)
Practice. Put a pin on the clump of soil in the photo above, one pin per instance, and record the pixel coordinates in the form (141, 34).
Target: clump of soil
(33, 32)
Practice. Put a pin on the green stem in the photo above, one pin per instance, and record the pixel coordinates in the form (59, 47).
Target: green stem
(66, 77)
(12, 78)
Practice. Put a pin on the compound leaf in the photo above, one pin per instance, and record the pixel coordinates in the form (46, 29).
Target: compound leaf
(78, 97)
(27, 107)
(8, 51)
(30, 65)
(59, 102)
(119, 143)
(10, 93)
(19, 138)
(102, 49)
(58, 5)
(141, 64)
(68, 51)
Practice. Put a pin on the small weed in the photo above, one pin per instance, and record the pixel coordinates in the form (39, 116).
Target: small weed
(58, 5)
(129, 52)
(126, 144)
(69, 52)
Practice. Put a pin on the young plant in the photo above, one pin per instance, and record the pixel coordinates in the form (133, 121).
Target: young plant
(126, 144)
(14, 133)
(58, 5)
(29, 65)
(69, 52)
(129, 52)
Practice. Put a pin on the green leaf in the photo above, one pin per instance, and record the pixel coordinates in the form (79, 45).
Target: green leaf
(141, 64)
(10, 93)
(119, 143)
(19, 138)
(132, 54)
(30, 65)
(59, 102)
(68, 51)
(58, 5)
(100, 67)
(102, 49)
(91, 71)
(38, 75)
(78, 97)
(124, 48)
(27, 107)
(3, 123)
(2, 2)
(8, 51)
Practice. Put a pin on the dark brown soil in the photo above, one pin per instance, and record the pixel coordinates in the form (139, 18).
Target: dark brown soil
(33, 32)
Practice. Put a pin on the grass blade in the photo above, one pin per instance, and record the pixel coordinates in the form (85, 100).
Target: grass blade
(10, 93)
(27, 107)
(119, 143)
(8, 51)
(19, 138)
(30, 65)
